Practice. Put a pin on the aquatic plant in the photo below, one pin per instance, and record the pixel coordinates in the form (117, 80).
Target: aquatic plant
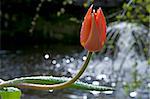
(93, 35)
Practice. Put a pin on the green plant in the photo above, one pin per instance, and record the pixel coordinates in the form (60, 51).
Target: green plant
(93, 36)
(136, 11)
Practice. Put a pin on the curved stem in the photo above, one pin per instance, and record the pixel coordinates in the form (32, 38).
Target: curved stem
(55, 86)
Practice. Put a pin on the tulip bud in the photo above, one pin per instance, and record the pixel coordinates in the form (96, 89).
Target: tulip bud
(93, 30)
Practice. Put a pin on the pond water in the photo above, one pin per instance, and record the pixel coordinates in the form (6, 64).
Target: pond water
(122, 64)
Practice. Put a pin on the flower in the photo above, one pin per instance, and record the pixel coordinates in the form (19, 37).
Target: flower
(93, 30)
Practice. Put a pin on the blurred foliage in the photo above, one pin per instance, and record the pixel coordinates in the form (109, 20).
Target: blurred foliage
(39, 20)
(136, 11)
(52, 20)
(58, 29)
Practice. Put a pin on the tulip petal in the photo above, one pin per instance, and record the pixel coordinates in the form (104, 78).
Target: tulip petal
(88, 12)
(92, 44)
(101, 23)
(93, 30)
(86, 27)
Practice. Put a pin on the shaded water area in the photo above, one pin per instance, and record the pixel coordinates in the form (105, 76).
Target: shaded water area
(122, 64)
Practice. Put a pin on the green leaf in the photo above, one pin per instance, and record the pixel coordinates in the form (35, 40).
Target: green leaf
(10, 93)
(53, 80)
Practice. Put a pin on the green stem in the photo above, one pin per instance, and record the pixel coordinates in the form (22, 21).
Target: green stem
(55, 86)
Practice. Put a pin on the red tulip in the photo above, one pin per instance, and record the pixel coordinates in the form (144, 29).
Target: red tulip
(93, 30)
